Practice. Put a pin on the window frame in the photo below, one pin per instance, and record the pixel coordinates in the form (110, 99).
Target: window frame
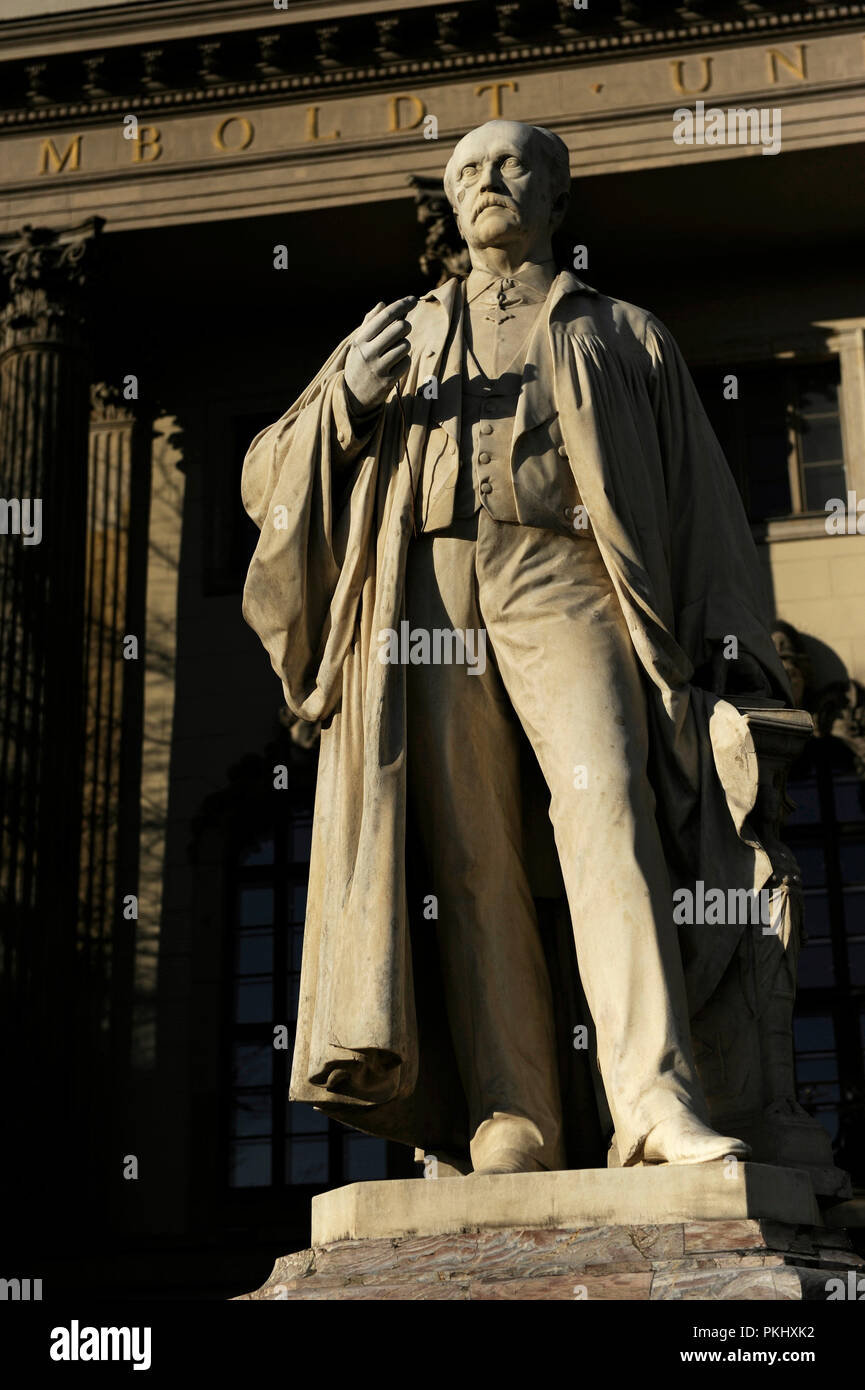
(788, 371)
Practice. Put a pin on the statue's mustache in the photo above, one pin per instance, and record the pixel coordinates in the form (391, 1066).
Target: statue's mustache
(491, 202)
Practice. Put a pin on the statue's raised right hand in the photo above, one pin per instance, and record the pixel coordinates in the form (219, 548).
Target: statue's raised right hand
(379, 354)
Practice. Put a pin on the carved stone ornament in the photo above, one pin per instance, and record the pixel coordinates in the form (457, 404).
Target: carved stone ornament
(44, 272)
(840, 712)
(445, 253)
(108, 404)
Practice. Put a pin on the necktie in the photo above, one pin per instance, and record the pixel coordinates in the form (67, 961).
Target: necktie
(508, 294)
(505, 300)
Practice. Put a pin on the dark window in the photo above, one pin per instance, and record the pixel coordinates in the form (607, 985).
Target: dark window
(274, 1143)
(827, 834)
(781, 436)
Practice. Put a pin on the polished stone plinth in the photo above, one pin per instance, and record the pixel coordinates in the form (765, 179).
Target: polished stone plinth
(565, 1200)
(712, 1231)
(687, 1260)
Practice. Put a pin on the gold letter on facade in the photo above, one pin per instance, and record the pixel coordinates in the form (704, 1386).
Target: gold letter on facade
(796, 66)
(72, 153)
(312, 131)
(246, 139)
(678, 66)
(393, 108)
(148, 138)
(496, 88)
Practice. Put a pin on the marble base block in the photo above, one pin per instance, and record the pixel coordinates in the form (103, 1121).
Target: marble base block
(570, 1198)
(637, 1234)
(684, 1260)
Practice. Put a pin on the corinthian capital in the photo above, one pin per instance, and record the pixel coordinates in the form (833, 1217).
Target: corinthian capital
(43, 271)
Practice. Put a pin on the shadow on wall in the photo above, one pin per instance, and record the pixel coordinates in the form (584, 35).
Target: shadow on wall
(821, 684)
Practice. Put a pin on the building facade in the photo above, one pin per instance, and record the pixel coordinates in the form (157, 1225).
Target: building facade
(197, 203)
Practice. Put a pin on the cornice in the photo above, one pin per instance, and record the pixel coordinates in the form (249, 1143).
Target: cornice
(115, 25)
(362, 47)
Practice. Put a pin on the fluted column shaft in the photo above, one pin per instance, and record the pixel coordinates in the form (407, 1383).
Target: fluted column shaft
(44, 414)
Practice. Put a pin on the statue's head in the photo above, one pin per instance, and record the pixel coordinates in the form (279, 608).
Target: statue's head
(508, 182)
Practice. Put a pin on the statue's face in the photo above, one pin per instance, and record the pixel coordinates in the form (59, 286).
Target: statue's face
(501, 185)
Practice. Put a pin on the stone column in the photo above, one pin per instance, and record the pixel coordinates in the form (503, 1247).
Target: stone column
(848, 340)
(44, 410)
(118, 490)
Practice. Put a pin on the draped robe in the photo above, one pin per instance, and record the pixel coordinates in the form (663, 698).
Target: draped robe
(372, 1045)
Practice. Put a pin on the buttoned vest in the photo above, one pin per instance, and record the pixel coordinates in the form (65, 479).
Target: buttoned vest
(532, 484)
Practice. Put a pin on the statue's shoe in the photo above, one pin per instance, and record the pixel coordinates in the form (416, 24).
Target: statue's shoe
(508, 1161)
(688, 1140)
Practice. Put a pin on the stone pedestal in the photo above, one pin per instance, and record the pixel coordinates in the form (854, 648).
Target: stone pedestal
(718, 1231)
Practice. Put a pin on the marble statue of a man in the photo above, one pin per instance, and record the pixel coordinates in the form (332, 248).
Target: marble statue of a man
(498, 515)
